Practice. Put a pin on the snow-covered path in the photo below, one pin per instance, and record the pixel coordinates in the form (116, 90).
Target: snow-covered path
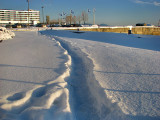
(28, 60)
(33, 69)
(87, 98)
(127, 67)
(87, 76)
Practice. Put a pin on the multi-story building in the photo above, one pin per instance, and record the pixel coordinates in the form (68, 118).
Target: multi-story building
(19, 16)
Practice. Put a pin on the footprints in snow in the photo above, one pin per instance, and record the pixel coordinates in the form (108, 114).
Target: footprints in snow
(39, 92)
(16, 97)
(44, 97)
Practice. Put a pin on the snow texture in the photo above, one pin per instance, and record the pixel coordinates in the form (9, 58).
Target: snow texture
(127, 67)
(66, 75)
(33, 69)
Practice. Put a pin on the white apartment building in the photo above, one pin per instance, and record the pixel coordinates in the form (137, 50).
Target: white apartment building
(19, 16)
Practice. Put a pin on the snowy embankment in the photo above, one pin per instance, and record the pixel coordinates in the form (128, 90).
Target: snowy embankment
(6, 34)
(126, 69)
(33, 71)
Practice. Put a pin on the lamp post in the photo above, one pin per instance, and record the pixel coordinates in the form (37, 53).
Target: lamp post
(159, 23)
(28, 12)
(94, 10)
(60, 18)
(43, 13)
(72, 12)
(64, 14)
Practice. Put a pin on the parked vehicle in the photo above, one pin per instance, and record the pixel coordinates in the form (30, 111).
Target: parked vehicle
(8, 26)
(55, 25)
(72, 25)
(41, 25)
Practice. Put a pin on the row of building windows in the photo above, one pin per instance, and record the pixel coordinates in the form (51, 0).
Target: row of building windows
(19, 16)
(18, 19)
(3, 11)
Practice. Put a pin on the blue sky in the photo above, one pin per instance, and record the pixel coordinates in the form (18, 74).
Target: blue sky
(111, 12)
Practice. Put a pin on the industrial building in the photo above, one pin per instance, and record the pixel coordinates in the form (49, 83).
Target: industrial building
(19, 16)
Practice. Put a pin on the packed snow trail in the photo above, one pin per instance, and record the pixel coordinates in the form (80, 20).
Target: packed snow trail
(87, 98)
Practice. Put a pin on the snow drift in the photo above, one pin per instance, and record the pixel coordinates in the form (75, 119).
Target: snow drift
(6, 34)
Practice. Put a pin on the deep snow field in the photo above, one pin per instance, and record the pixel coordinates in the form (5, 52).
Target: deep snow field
(63, 75)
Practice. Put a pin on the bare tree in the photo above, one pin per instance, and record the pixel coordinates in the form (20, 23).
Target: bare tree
(54, 22)
(79, 19)
(68, 19)
(71, 19)
(84, 16)
(74, 20)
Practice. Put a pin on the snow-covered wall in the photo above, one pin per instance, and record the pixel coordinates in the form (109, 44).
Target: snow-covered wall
(118, 29)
